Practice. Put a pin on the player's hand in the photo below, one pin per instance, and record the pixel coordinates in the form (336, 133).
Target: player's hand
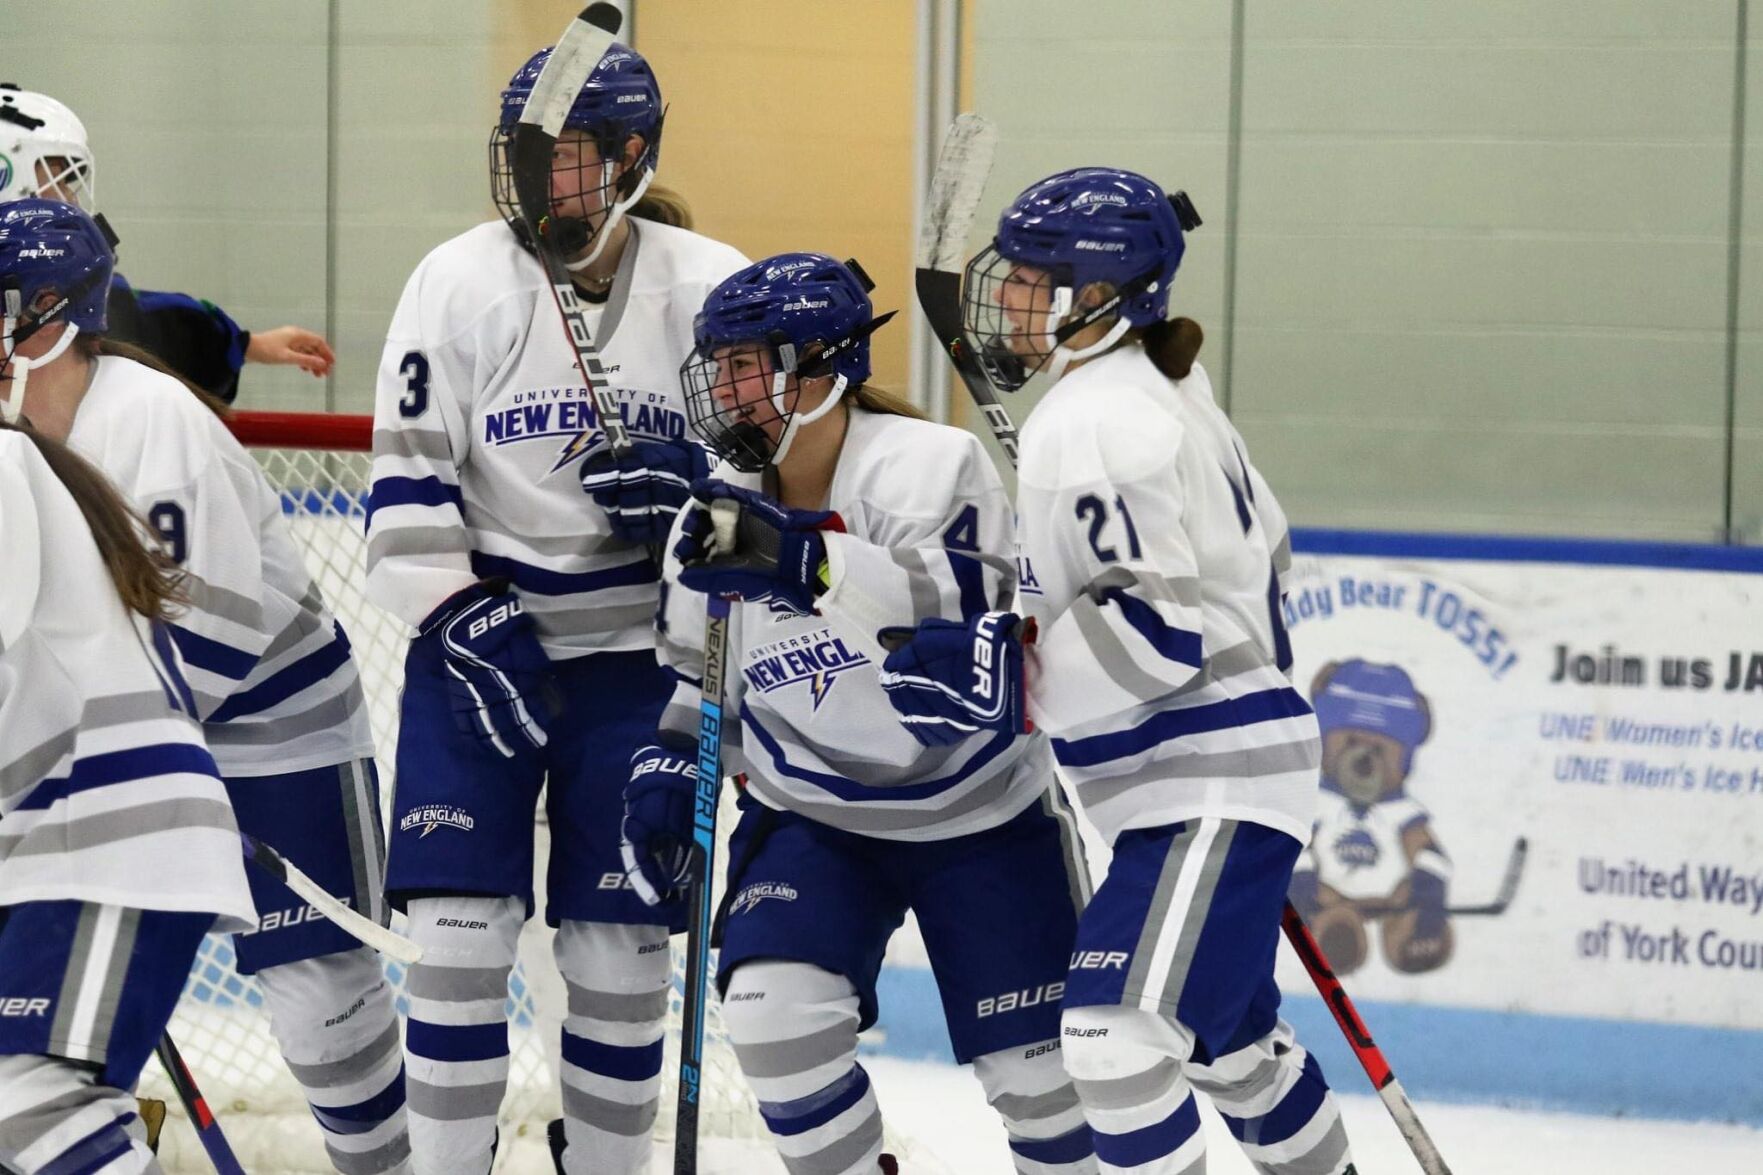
(642, 490)
(495, 667)
(1305, 891)
(1426, 895)
(291, 345)
(743, 545)
(656, 836)
(949, 680)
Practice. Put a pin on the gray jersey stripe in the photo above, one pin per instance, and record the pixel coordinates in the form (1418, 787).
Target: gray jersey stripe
(304, 624)
(393, 1156)
(876, 819)
(929, 763)
(356, 804)
(335, 711)
(842, 1154)
(1179, 589)
(618, 1118)
(798, 1054)
(927, 600)
(1112, 654)
(116, 975)
(79, 959)
(1322, 1159)
(617, 1007)
(31, 767)
(1244, 1090)
(618, 297)
(351, 1069)
(578, 621)
(228, 605)
(412, 442)
(1226, 664)
(1033, 1107)
(564, 546)
(108, 828)
(122, 709)
(1077, 868)
(21, 1129)
(453, 1103)
(1282, 555)
(1158, 913)
(1247, 763)
(457, 985)
(1144, 1088)
(1194, 918)
(411, 541)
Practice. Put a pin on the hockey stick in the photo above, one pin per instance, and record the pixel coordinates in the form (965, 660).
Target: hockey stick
(1508, 890)
(578, 51)
(695, 998)
(201, 1117)
(363, 928)
(960, 179)
(1383, 1078)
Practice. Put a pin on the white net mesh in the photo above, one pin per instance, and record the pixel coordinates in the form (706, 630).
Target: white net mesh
(220, 1025)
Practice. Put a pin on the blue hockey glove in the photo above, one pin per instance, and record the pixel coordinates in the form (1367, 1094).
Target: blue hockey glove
(1426, 894)
(1305, 890)
(769, 553)
(656, 836)
(643, 490)
(495, 668)
(950, 679)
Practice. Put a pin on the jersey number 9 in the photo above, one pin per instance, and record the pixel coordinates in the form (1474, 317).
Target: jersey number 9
(168, 519)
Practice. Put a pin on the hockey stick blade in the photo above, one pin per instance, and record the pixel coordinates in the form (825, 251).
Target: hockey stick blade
(531, 143)
(333, 908)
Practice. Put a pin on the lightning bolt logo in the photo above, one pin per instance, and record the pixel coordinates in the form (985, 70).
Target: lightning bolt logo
(819, 684)
(577, 447)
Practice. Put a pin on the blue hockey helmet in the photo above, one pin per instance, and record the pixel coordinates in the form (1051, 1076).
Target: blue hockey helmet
(55, 266)
(1065, 233)
(621, 98)
(1361, 695)
(796, 314)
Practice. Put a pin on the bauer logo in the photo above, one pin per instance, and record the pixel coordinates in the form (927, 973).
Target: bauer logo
(286, 919)
(817, 658)
(1015, 1001)
(18, 1005)
(432, 816)
(807, 304)
(1100, 246)
(1098, 961)
(759, 891)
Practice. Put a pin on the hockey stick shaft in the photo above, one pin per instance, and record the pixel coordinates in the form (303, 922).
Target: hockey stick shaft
(695, 998)
(962, 168)
(1508, 890)
(1364, 1047)
(333, 908)
(208, 1131)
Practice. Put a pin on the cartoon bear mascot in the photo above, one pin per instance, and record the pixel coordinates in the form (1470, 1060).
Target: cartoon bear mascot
(1373, 855)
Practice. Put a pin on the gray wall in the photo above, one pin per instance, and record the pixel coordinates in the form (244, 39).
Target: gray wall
(1479, 252)
(290, 162)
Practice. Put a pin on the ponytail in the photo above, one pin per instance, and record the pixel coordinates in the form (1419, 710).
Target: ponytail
(96, 345)
(664, 206)
(887, 403)
(1172, 345)
(145, 577)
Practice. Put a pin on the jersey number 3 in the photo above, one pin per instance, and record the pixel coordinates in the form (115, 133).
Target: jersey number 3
(415, 369)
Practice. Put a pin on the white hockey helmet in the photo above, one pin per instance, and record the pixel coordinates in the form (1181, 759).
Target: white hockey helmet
(43, 150)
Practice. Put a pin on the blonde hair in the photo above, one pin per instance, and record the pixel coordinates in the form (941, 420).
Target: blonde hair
(664, 206)
(874, 399)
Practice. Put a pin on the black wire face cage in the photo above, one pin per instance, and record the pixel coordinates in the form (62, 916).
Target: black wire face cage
(729, 402)
(1009, 339)
(572, 233)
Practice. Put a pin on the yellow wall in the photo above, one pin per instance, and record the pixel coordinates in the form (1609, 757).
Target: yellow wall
(797, 141)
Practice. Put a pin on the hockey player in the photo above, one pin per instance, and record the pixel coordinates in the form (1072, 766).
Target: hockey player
(43, 152)
(533, 605)
(270, 670)
(118, 849)
(855, 513)
(1151, 560)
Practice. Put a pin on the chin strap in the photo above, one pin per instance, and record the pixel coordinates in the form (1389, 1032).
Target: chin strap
(800, 419)
(12, 404)
(613, 214)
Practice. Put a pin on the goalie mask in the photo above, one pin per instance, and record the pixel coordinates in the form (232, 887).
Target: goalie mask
(621, 98)
(1092, 225)
(788, 318)
(55, 266)
(43, 150)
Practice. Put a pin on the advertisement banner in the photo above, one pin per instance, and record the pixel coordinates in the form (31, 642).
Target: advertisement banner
(1543, 784)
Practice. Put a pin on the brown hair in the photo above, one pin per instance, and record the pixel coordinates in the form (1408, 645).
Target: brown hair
(664, 206)
(1172, 345)
(888, 403)
(95, 345)
(145, 577)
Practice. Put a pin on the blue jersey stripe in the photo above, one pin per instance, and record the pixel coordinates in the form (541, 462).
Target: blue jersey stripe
(285, 683)
(620, 1062)
(363, 1115)
(1070, 1147)
(456, 1042)
(1160, 1140)
(1294, 1111)
(206, 653)
(115, 767)
(412, 491)
(970, 578)
(817, 1109)
(1177, 644)
(542, 581)
(844, 789)
(1169, 725)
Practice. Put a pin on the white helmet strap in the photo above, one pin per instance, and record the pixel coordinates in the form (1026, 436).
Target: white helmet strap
(613, 214)
(797, 420)
(12, 404)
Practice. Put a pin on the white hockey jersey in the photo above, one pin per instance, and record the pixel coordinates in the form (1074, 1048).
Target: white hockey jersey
(927, 531)
(106, 792)
(274, 681)
(1152, 552)
(482, 420)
